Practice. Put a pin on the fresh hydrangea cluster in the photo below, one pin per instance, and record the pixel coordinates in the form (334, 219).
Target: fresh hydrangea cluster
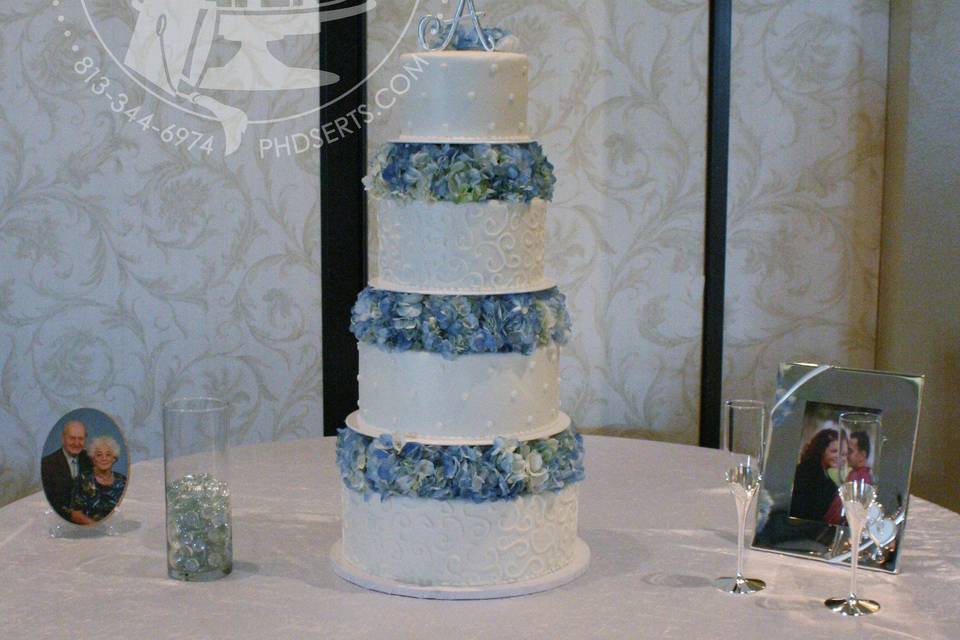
(435, 172)
(454, 325)
(388, 466)
(467, 39)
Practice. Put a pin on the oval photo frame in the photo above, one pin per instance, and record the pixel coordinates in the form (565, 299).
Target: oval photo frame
(85, 467)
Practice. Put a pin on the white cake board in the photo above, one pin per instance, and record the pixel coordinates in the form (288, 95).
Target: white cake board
(352, 573)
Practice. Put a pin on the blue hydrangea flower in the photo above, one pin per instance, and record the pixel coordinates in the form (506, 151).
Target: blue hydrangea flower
(461, 172)
(455, 325)
(502, 471)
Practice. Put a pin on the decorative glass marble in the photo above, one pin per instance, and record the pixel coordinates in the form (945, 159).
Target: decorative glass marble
(199, 530)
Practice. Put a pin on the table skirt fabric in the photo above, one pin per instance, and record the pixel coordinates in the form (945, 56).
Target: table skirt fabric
(659, 522)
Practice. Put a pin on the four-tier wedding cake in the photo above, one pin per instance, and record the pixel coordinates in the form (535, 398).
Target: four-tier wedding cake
(460, 472)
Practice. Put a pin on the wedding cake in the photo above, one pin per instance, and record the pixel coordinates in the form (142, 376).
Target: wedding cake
(460, 472)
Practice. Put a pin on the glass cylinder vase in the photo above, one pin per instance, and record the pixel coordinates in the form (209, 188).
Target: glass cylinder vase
(196, 476)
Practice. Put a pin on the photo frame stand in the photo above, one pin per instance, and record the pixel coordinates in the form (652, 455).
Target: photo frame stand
(57, 527)
(794, 508)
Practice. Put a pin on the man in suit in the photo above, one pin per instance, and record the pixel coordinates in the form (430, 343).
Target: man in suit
(60, 469)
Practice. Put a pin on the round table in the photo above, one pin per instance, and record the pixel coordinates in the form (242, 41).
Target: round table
(658, 521)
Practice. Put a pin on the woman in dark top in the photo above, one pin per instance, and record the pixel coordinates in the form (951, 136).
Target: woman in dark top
(813, 490)
(97, 492)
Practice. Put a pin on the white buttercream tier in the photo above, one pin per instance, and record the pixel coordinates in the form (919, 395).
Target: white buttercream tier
(458, 542)
(473, 396)
(474, 248)
(539, 285)
(464, 97)
(552, 428)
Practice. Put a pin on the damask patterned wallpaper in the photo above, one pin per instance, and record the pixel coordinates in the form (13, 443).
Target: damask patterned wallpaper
(618, 101)
(132, 270)
(805, 190)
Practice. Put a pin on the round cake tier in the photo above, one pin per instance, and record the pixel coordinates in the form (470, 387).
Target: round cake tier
(472, 248)
(460, 543)
(469, 398)
(561, 423)
(464, 96)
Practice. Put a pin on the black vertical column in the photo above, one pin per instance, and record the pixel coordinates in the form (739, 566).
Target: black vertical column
(343, 227)
(718, 133)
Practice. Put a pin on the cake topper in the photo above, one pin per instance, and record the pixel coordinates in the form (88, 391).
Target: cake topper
(434, 24)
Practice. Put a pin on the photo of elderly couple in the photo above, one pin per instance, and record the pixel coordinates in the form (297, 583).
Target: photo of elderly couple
(84, 466)
(826, 452)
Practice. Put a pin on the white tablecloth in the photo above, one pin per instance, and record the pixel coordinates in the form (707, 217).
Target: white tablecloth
(656, 517)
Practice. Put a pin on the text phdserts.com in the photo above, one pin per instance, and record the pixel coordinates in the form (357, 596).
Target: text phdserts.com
(343, 126)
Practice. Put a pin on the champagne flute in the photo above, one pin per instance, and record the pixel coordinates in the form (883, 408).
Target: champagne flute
(744, 437)
(857, 496)
(863, 443)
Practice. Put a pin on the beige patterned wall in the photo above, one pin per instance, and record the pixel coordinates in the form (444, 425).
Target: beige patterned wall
(806, 171)
(618, 102)
(132, 271)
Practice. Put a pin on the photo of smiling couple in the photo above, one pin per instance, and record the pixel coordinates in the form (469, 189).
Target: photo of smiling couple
(84, 466)
(829, 457)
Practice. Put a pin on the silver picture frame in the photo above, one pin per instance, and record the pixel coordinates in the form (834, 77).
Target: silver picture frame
(809, 399)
